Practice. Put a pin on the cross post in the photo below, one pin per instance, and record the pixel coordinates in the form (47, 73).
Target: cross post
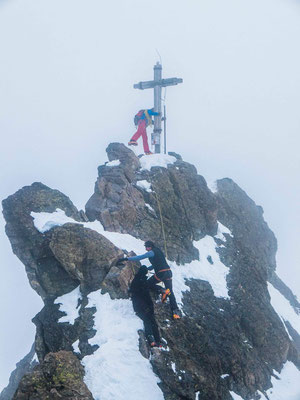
(157, 84)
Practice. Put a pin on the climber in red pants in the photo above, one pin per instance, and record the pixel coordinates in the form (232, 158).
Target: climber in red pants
(142, 119)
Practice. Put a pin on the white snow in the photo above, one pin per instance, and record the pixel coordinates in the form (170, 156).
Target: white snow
(173, 366)
(224, 376)
(197, 396)
(222, 229)
(288, 386)
(35, 358)
(283, 308)
(117, 370)
(75, 346)
(214, 273)
(156, 160)
(144, 185)
(113, 163)
(235, 396)
(150, 208)
(68, 303)
(45, 221)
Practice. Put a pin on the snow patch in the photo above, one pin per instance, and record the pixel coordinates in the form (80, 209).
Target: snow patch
(150, 208)
(214, 273)
(75, 346)
(173, 366)
(68, 303)
(224, 376)
(45, 221)
(114, 163)
(283, 308)
(156, 160)
(287, 387)
(144, 185)
(236, 396)
(117, 370)
(221, 230)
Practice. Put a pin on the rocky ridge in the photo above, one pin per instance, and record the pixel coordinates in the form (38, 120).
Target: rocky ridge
(240, 337)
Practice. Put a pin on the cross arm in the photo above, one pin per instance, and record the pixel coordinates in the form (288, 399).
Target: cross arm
(161, 82)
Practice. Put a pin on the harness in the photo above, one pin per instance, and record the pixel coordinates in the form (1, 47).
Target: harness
(162, 270)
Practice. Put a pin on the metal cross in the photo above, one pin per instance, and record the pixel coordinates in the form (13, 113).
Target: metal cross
(157, 84)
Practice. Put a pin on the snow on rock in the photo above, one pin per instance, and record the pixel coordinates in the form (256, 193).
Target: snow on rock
(236, 396)
(44, 221)
(150, 208)
(114, 163)
(144, 185)
(156, 160)
(117, 370)
(68, 304)
(283, 308)
(214, 273)
(287, 387)
(224, 376)
(75, 346)
(221, 230)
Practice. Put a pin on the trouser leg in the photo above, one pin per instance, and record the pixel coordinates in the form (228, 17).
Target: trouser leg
(138, 133)
(146, 318)
(173, 303)
(154, 328)
(145, 140)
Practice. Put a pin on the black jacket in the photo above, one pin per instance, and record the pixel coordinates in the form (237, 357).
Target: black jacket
(140, 296)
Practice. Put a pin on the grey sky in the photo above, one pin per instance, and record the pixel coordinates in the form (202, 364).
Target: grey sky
(66, 73)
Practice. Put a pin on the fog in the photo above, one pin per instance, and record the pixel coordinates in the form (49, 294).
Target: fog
(67, 69)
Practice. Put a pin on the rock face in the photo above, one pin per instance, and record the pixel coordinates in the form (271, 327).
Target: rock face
(221, 344)
(178, 201)
(60, 376)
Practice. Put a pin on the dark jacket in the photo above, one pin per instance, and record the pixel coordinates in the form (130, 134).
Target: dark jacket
(139, 292)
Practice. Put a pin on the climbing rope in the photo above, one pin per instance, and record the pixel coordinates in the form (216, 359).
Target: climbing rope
(161, 221)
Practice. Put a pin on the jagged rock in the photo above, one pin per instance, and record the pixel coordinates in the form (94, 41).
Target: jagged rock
(179, 196)
(117, 281)
(22, 367)
(86, 255)
(45, 274)
(220, 344)
(60, 376)
(245, 220)
(53, 335)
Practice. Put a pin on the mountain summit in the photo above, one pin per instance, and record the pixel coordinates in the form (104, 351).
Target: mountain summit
(237, 337)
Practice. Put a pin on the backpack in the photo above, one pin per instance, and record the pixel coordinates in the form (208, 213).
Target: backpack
(137, 117)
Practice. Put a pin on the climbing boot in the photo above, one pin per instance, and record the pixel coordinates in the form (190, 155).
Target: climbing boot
(148, 153)
(176, 315)
(151, 341)
(132, 143)
(165, 295)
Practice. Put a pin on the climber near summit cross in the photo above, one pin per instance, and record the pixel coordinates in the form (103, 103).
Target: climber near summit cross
(163, 274)
(142, 119)
(143, 306)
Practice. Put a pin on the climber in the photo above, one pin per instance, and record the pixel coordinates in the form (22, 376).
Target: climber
(143, 306)
(142, 119)
(163, 274)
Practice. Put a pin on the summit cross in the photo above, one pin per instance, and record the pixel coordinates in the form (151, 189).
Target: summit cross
(157, 84)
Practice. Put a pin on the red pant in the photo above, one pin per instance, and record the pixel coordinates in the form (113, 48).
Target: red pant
(141, 131)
